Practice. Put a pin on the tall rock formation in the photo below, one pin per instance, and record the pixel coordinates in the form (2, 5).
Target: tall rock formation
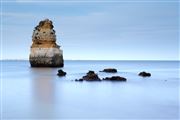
(44, 50)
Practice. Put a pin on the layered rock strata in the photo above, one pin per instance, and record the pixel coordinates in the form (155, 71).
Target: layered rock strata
(44, 50)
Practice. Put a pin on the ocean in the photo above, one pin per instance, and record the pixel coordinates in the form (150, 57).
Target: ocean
(38, 93)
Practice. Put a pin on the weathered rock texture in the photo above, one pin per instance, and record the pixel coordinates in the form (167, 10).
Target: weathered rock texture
(44, 50)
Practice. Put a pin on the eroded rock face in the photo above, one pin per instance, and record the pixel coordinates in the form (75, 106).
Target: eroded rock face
(44, 50)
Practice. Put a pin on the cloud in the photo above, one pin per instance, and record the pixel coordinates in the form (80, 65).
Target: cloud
(18, 15)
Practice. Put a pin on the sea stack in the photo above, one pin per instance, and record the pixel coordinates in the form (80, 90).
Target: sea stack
(44, 50)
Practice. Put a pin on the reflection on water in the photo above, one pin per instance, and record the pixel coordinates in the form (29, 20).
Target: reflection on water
(38, 93)
(43, 92)
(43, 86)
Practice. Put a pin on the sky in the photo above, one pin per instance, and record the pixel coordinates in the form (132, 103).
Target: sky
(95, 30)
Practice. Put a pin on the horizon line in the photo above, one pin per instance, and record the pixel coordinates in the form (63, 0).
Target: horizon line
(89, 1)
(90, 60)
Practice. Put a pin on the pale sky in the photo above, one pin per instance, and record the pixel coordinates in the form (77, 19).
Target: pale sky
(95, 30)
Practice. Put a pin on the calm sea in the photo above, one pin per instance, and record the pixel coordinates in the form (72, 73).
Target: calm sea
(38, 93)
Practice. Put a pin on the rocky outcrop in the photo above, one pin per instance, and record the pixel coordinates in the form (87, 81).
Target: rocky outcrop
(61, 73)
(110, 70)
(144, 74)
(44, 50)
(115, 78)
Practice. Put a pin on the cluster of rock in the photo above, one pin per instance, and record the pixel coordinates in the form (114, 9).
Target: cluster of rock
(46, 53)
(92, 76)
(44, 50)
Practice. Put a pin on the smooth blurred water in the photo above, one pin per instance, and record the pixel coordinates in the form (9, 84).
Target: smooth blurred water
(38, 93)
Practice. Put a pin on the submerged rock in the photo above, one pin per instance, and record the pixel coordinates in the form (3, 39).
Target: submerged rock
(44, 50)
(61, 73)
(144, 74)
(90, 76)
(79, 80)
(115, 78)
(110, 70)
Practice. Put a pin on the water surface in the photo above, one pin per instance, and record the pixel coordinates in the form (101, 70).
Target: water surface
(38, 93)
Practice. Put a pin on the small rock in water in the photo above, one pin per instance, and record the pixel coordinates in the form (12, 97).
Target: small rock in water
(110, 70)
(90, 76)
(61, 73)
(144, 74)
(115, 78)
(79, 80)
